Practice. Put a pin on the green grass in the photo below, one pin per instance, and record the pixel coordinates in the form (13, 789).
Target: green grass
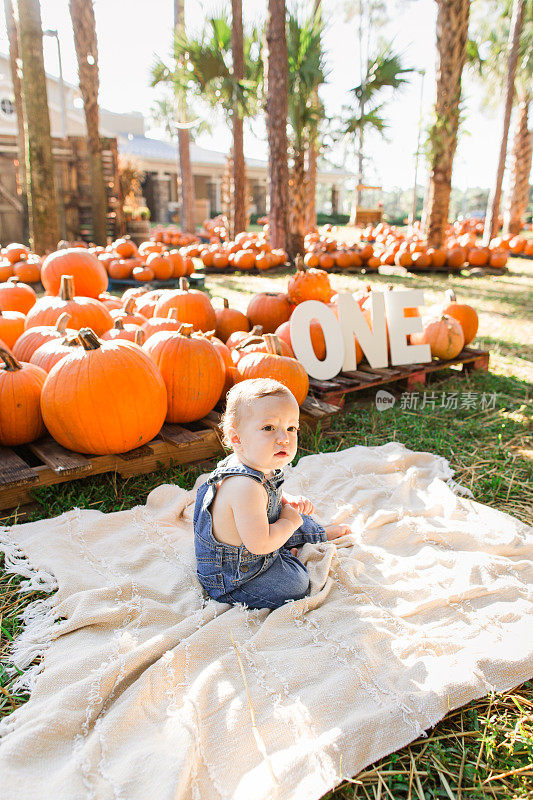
(486, 748)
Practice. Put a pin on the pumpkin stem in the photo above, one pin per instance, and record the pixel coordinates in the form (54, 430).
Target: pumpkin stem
(88, 339)
(62, 322)
(299, 263)
(66, 291)
(186, 329)
(226, 302)
(272, 343)
(257, 330)
(172, 313)
(450, 295)
(140, 336)
(184, 284)
(12, 365)
(119, 323)
(13, 280)
(250, 340)
(129, 305)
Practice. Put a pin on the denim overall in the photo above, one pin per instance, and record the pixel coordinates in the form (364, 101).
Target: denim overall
(230, 573)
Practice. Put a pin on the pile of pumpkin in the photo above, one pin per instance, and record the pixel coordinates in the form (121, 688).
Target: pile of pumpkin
(408, 249)
(172, 235)
(17, 261)
(102, 374)
(152, 260)
(248, 251)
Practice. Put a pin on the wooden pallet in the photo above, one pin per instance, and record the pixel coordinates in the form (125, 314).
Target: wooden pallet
(46, 463)
(345, 386)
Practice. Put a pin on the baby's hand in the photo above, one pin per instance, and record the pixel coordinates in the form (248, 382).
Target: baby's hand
(290, 513)
(301, 504)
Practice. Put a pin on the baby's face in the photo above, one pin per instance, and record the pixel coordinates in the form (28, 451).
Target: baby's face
(267, 434)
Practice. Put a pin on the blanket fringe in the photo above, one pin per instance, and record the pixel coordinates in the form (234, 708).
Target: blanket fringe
(456, 488)
(39, 619)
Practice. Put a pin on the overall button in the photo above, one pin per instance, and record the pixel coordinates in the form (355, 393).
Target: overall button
(245, 552)
(244, 568)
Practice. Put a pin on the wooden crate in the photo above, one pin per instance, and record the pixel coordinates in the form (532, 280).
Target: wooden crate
(344, 387)
(46, 463)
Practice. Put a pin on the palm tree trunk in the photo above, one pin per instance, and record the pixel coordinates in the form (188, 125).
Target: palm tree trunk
(238, 222)
(21, 137)
(310, 187)
(297, 195)
(452, 33)
(493, 206)
(186, 182)
(42, 206)
(84, 27)
(513, 218)
(276, 75)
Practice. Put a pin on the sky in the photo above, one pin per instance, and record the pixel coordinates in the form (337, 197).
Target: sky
(132, 33)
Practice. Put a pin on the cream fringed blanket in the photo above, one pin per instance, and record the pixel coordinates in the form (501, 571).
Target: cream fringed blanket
(147, 689)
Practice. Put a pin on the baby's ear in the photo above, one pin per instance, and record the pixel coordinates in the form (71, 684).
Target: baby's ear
(233, 436)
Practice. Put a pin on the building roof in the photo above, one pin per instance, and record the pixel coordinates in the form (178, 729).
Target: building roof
(159, 150)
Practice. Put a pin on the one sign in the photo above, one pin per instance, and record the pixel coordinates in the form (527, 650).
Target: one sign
(386, 313)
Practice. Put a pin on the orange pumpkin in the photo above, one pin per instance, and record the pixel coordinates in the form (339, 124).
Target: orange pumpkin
(239, 336)
(143, 274)
(11, 326)
(89, 276)
(268, 309)
(308, 284)
(28, 271)
(193, 372)
(85, 311)
(229, 320)
(161, 265)
(465, 315)
(122, 329)
(317, 337)
(146, 304)
(193, 306)
(20, 401)
(110, 301)
(135, 291)
(16, 252)
(33, 338)
(455, 258)
(120, 398)
(498, 259)
(272, 364)
(120, 269)
(125, 248)
(225, 355)
(6, 270)
(47, 355)
(16, 296)
(258, 344)
(178, 264)
(156, 324)
(128, 314)
(443, 334)
(244, 259)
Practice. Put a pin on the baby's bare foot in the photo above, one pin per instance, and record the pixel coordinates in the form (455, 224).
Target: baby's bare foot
(335, 531)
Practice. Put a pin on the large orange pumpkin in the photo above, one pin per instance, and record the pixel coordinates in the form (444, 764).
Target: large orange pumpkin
(20, 397)
(90, 277)
(193, 372)
(31, 339)
(48, 354)
(193, 306)
(443, 334)
(268, 309)
(272, 364)
(16, 296)
(156, 324)
(16, 252)
(125, 247)
(162, 266)
(230, 320)
(225, 354)
(465, 315)
(308, 284)
(106, 397)
(85, 311)
(28, 271)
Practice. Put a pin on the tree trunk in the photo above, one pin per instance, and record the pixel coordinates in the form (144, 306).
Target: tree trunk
(276, 77)
(310, 187)
(238, 222)
(493, 206)
(297, 194)
(452, 32)
(19, 110)
(186, 182)
(42, 207)
(513, 218)
(84, 27)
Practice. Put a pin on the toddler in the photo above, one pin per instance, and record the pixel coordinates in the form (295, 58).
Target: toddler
(246, 530)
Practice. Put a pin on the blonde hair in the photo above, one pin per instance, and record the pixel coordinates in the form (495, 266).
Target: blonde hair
(242, 395)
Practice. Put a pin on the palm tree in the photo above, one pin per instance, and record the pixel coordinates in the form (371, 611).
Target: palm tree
(277, 83)
(306, 74)
(384, 70)
(488, 51)
(184, 148)
(42, 206)
(84, 27)
(493, 206)
(205, 67)
(452, 34)
(312, 156)
(238, 222)
(12, 35)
